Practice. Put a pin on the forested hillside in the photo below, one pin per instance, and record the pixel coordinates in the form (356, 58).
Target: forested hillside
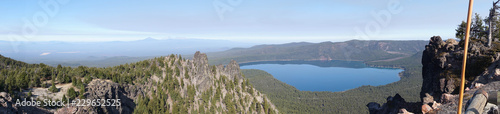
(169, 84)
(354, 50)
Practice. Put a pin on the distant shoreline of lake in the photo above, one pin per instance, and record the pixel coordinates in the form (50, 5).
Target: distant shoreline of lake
(333, 75)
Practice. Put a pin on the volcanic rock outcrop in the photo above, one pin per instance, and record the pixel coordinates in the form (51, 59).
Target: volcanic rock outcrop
(442, 63)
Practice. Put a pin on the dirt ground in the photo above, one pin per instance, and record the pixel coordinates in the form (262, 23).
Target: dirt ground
(44, 93)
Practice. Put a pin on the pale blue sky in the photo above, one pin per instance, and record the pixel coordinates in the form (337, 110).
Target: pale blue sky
(256, 21)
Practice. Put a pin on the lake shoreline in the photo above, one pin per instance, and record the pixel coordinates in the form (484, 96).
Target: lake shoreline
(364, 62)
(357, 72)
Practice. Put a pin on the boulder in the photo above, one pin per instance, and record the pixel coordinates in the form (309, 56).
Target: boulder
(404, 111)
(426, 109)
(373, 107)
(428, 99)
(393, 105)
(66, 110)
(450, 101)
(448, 98)
(491, 109)
(435, 105)
(490, 75)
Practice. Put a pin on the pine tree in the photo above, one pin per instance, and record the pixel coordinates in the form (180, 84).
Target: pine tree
(30, 94)
(478, 30)
(64, 99)
(82, 92)
(71, 93)
(266, 105)
(74, 81)
(186, 75)
(53, 88)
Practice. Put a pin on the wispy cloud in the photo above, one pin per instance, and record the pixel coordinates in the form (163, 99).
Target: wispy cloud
(46, 53)
(69, 52)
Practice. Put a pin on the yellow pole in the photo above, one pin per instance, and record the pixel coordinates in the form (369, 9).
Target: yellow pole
(466, 48)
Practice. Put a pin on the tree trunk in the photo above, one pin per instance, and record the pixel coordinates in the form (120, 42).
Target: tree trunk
(490, 31)
(490, 22)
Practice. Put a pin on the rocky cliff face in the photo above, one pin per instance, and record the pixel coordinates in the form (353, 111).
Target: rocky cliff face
(442, 63)
(101, 89)
(201, 71)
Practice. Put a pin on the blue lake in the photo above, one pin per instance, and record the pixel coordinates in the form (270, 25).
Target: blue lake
(326, 75)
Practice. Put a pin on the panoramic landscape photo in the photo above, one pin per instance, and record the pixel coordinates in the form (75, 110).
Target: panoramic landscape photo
(249, 57)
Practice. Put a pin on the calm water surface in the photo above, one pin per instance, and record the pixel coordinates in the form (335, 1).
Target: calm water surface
(326, 75)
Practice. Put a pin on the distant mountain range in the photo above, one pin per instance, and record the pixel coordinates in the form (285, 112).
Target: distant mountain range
(55, 51)
(106, 54)
(353, 50)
